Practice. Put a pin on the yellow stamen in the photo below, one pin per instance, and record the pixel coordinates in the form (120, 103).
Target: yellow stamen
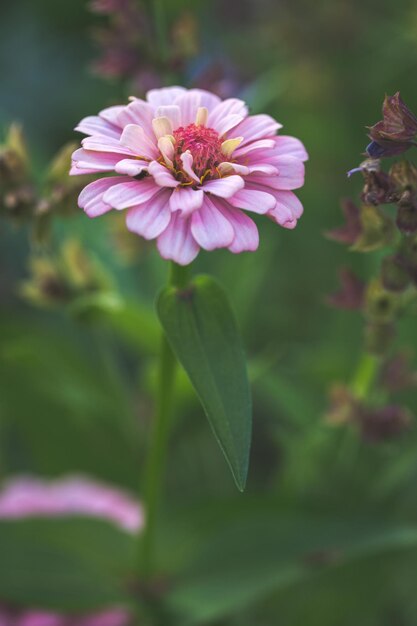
(230, 145)
(162, 126)
(202, 116)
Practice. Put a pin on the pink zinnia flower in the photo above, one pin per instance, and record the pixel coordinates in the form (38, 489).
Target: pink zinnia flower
(27, 497)
(187, 163)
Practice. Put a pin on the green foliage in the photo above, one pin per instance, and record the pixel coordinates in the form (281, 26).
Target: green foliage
(68, 564)
(201, 328)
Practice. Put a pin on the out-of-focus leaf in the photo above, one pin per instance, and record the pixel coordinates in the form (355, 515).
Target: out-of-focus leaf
(201, 328)
(70, 564)
(255, 557)
(65, 403)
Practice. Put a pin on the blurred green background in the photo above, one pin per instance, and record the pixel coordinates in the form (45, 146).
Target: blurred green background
(327, 530)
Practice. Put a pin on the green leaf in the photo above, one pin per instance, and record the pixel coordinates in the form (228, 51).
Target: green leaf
(202, 331)
(269, 552)
(73, 564)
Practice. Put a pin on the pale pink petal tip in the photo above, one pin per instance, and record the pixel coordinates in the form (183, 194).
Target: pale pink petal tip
(24, 497)
(187, 166)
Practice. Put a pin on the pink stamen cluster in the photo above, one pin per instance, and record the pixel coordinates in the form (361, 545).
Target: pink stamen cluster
(205, 147)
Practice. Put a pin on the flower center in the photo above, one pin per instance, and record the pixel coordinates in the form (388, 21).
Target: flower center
(205, 146)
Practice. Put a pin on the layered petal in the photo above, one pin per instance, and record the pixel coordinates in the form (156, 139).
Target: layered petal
(95, 125)
(186, 200)
(253, 200)
(132, 193)
(137, 112)
(131, 167)
(224, 187)
(91, 197)
(167, 95)
(138, 142)
(150, 219)
(256, 127)
(246, 237)
(231, 106)
(290, 146)
(210, 228)
(161, 175)
(290, 174)
(176, 242)
(88, 161)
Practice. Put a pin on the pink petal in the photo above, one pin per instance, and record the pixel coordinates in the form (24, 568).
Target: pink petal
(290, 174)
(207, 99)
(187, 165)
(280, 216)
(253, 200)
(104, 144)
(137, 112)
(151, 219)
(290, 146)
(289, 200)
(36, 618)
(263, 168)
(162, 176)
(231, 106)
(95, 125)
(130, 193)
(246, 234)
(176, 242)
(91, 197)
(188, 104)
(186, 200)
(224, 187)
(210, 228)
(256, 127)
(94, 161)
(172, 112)
(131, 167)
(227, 123)
(138, 142)
(75, 171)
(242, 170)
(260, 144)
(166, 96)
(111, 114)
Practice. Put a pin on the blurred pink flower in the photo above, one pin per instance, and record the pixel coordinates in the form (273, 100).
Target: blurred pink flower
(187, 163)
(26, 497)
(30, 497)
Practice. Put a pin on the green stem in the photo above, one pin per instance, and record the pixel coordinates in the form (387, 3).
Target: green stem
(365, 375)
(156, 461)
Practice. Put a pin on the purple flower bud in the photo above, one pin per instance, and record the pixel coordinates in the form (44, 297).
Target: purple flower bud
(382, 424)
(396, 373)
(396, 132)
(351, 294)
(350, 232)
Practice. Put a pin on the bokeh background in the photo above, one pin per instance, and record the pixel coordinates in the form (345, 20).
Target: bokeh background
(327, 530)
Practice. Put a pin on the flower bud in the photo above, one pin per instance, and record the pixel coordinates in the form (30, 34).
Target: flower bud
(403, 175)
(394, 274)
(383, 424)
(378, 337)
(378, 188)
(396, 373)
(342, 405)
(350, 232)
(351, 294)
(381, 305)
(407, 214)
(396, 132)
(377, 230)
